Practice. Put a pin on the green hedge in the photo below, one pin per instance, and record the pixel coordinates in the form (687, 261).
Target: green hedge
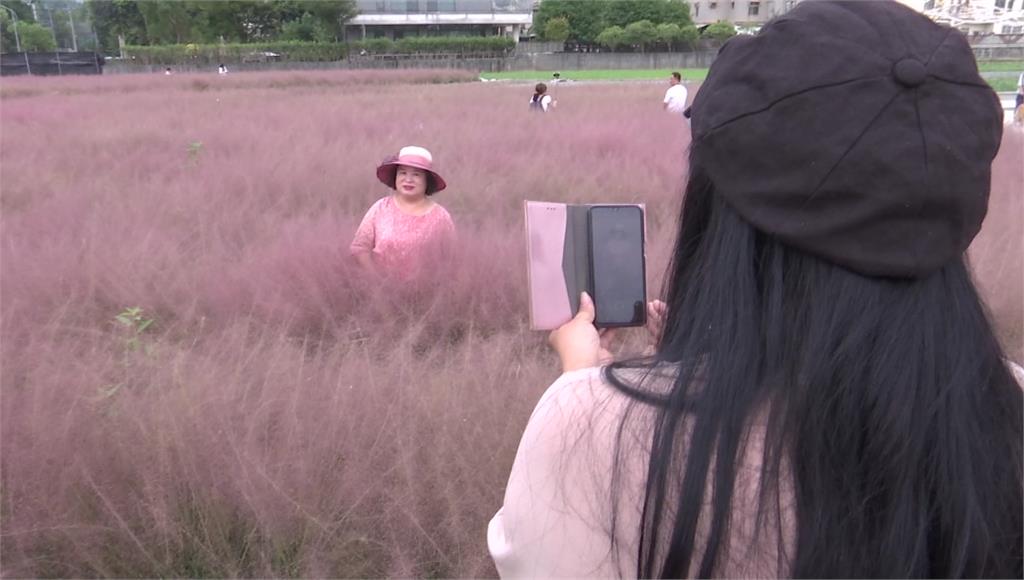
(234, 53)
(170, 54)
(436, 45)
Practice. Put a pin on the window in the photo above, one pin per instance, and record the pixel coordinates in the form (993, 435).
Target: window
(412, 5)
(713, 5)
(696, 9)
(753, 8)
(930, 4)
(431, 5)
(1000, 3)
(1009, 5)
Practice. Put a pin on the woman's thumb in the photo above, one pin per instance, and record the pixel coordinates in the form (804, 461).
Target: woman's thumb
(586, 312)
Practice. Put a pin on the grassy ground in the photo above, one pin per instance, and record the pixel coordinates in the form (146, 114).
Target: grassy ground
(1001, 84)
(1001, 66)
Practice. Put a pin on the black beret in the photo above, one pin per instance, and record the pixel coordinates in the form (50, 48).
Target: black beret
(857, 131)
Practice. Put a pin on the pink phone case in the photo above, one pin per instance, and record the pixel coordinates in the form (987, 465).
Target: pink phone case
(545, 238)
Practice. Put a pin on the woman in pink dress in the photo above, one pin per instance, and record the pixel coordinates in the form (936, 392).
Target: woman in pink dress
(406, 235)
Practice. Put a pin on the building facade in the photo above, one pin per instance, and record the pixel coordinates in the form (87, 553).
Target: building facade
(742, 13)
(975, 16)
(397, 19)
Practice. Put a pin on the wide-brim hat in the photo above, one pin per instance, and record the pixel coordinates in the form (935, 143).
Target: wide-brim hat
(411, 156)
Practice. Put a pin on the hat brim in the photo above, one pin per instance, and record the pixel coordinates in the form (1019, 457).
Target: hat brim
(387, 170)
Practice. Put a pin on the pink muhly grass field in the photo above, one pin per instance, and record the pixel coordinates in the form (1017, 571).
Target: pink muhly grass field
(281, 416)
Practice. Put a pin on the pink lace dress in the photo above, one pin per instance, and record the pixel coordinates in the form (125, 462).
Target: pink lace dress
(403, 245)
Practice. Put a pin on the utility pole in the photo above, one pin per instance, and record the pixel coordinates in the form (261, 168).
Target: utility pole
(74, 37)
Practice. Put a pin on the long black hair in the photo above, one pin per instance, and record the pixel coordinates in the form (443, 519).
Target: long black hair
(890, 415)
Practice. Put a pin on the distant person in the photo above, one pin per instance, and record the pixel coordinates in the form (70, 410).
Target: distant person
(167, 71)
(405, 234)
(556, 78)
(827, 397)
(675, 97)
(222, 70)
(541, 102)
(1018, 107)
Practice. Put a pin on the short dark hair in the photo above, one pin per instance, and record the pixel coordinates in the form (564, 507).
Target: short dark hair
(677, 76)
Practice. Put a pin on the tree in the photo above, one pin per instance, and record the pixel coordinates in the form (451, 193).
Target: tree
(667, 33)
(688, 35)
(613, 37)
(23, 10)
(7, 41)
(114, 18)
(585, 17)
(36, 38)
(332, 14)
(557, 29)
(306, 28)
(675, 36)
(217, 20)
(677, 12)
(625, 12)
(640, 33)
(168, 21)
(720, 30)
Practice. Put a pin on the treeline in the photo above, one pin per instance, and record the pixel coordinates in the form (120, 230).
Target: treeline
(616, 24)
(183, 22)
(302, 51)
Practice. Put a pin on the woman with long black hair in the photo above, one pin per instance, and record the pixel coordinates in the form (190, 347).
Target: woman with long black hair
(826, 397)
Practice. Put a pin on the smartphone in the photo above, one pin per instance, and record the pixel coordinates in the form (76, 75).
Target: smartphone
(617, 265)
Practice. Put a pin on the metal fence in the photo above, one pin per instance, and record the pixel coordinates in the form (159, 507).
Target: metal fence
(442, 6)
(51, 63)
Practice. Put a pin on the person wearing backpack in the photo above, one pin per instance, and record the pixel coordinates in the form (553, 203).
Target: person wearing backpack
(541, 102)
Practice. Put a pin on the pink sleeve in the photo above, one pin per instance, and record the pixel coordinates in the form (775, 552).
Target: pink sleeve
(364, 238)
(447, 237)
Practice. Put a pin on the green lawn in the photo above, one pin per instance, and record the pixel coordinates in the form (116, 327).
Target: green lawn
(691, 74)
(1001, 66)
(1003, 84)
(698, 74)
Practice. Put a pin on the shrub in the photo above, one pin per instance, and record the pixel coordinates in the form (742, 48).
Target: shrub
(557, 29)
(613, 37)
(720, 30)
(641, 33)
(36, 38)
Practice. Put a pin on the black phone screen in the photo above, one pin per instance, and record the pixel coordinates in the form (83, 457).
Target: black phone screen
(617, 265)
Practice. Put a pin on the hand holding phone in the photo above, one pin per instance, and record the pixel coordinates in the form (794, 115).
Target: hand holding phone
(598, 249)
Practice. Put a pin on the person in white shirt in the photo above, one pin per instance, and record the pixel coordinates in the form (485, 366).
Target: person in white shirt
(1020, 92)
(675, 96)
